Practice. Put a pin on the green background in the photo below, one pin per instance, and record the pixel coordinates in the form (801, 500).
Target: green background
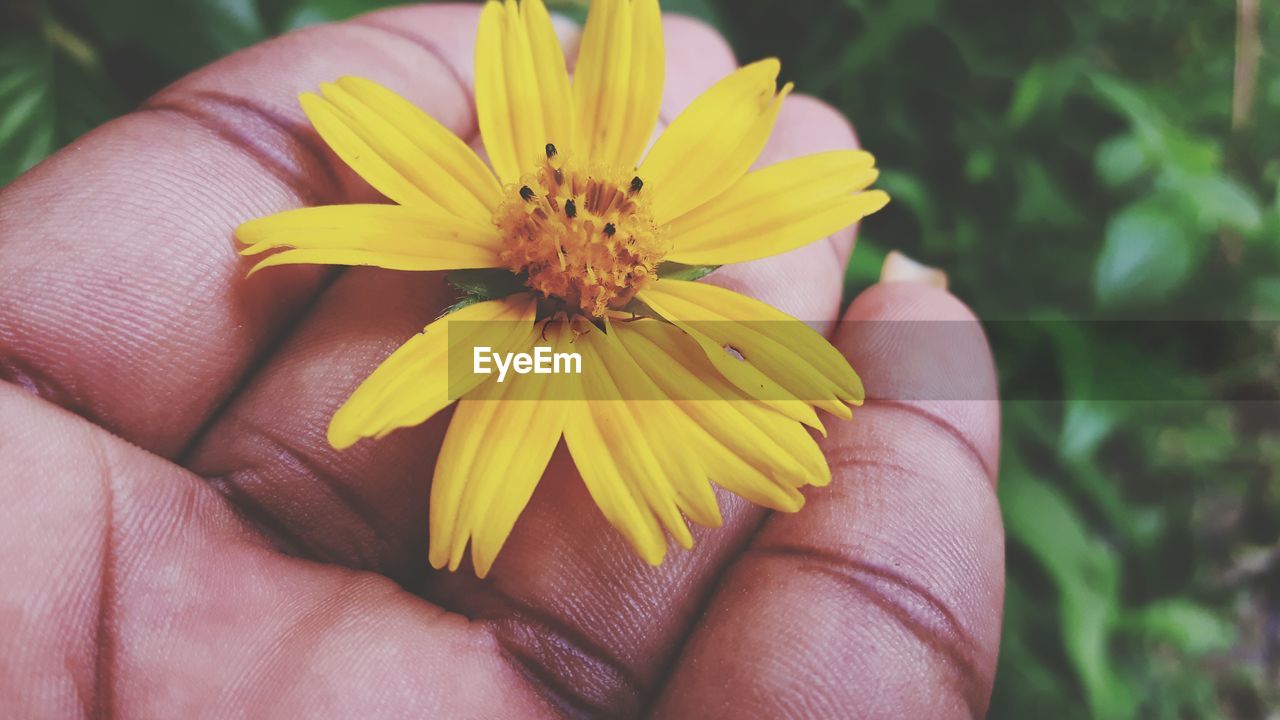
(1093, 159)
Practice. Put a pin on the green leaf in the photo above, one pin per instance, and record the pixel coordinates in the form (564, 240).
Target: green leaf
(1221, 201)
(1191, 628)
(26, 104)
(1265, 295)
(1146, 256)
(1120, 160)
(1086, 574)
(179, 35)
(1086, 425)
(304, 13)
(701, 9)
(52, 90)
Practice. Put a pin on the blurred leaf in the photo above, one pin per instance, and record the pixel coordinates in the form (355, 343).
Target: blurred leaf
(51, 91)
(178, 34)
(1191, 628)
(910, 193)
(26, 104)
(294, 14)
(1146, 255)
(1085, 425)
(700, 9)
(864, 266)
(1086, 574)
(1120, 160)
(1041, 198)
(1221, 201)
(1042, 89)
(1266, 298)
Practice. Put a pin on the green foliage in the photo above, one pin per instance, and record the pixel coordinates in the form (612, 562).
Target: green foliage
(1059, 160)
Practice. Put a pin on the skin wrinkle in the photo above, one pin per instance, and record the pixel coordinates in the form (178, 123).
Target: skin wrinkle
(941, 424)
(103, 695)
(712, 589)
(263, 522)
(242, 124)
(347, 497)
(922, 613)
(25, 375)
(558, 658)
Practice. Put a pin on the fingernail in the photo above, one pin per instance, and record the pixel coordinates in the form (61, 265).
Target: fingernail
(900, 268)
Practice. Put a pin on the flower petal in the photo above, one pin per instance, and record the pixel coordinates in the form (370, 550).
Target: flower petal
(660, 420)
(777, 209)
(498, 444)
(781, 348)
(357, 149)
(391, 236)
(622, 462)
(617, 89)
(443, 167)
(756, 452)
(714, 141)
(414, 383)
(523, 99)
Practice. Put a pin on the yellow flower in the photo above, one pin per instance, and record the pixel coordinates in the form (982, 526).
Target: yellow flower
(582, 227)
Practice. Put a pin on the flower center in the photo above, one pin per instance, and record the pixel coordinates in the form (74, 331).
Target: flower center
(582, 234)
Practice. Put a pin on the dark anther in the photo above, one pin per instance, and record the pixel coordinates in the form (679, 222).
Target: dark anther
(636, 184)
(610, 229)
(551, 150)
(526, 192)
(559, 176)
(570, 208)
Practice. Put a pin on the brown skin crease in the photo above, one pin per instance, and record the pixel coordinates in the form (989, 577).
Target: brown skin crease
(190, 545)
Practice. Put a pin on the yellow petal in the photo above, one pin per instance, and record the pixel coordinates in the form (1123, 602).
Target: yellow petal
(499, 442)
(523, 99)
(745, 375)
(756, 450)
(555, 95)
(777, 209)
(390, 236)
(414, 383)
(783, 349)
(446, 169)
(662, 422)
(713, 142)
(617, 89)
(616, 458)
(357, 149)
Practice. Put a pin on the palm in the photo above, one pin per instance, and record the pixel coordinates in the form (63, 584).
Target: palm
(230, 563)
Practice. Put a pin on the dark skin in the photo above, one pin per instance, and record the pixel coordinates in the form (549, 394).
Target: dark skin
(178, 540)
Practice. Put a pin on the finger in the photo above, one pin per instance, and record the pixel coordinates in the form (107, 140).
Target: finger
(128, 589)
(121, 295)
(883, 597)
(364, 506)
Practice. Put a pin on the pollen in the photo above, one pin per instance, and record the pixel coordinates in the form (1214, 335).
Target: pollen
(582, 235)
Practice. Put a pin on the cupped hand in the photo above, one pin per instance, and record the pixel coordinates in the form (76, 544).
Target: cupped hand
(177, 539)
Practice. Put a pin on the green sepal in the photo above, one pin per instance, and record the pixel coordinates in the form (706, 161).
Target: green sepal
(678, 271)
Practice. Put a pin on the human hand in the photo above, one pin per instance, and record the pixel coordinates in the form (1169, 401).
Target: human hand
(223, 560)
